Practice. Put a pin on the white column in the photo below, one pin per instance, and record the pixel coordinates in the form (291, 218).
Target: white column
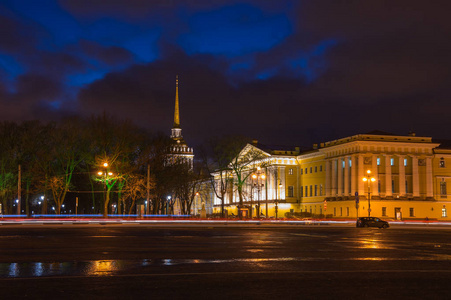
(360, 175)
(388, 178)
(346, 188)
(353, 174)
(415, 177)
(402, 177)
(340, 177)
(429, 189)
(374, 185)
(334, 178)
(328, 187)
(282, 180)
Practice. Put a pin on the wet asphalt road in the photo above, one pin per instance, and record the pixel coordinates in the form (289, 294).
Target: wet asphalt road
(224, 262)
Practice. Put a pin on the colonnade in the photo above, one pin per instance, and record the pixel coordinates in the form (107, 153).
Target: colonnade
(344, 175)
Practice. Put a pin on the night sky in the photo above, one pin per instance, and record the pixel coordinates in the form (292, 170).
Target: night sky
(283, 72)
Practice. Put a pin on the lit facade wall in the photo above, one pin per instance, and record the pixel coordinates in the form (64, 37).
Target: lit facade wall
(412, 180)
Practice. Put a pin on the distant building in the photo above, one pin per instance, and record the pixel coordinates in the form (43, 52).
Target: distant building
(411, 178)
(179, 150)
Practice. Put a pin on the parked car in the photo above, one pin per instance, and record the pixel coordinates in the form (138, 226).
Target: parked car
(371, 222)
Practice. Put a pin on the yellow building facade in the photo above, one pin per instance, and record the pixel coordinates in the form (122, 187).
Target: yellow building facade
(408, 177)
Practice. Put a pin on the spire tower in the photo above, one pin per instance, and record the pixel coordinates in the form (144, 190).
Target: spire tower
(176, 132)
(176, 110)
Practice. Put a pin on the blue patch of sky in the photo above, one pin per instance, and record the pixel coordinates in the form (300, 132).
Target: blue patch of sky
(55, 105)
(266, 74)
(234, 30)
(81, 79)
(309, 64)
(11, 67)
(141, 40)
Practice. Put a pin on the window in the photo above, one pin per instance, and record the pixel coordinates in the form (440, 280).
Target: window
(335, 211)
(384, 211)
(306, 171)
(392, 186)
(290, 191)
(316, 190)
(341, 211)
(320, 189)
(379, 186)
(302, 171)
(405, 162)
(444, 215)
(316, 169)
(310, 169)
(443, 188)
(378, 161)
(392, 161)
(321, 168)
(311, 190)
(411, 212)
(343, 164)
(306, 191)
(350, 163)
(347, 211)
(407, 187)
(290, 171)
(442, 163)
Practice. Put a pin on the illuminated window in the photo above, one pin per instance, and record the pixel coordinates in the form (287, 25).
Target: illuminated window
(442, 162)
(343, 164)
(378, 161)
(290, 171)
(392, 161)
(350, 163)
(405, 162)
(320, 189)
(444, 214)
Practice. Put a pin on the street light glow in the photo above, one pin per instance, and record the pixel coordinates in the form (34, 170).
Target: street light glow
(105, 165)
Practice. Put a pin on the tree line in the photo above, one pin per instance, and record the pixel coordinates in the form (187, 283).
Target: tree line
(99, 160)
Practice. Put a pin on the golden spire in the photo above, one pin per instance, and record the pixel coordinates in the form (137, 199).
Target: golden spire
(176, 111)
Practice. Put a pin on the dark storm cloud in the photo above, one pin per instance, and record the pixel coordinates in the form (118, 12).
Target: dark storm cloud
(10, 32)
(111, 55)
(142, 8)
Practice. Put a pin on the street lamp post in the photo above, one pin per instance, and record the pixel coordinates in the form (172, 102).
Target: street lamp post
(105, 173)
(368, 178)
(167, 205)
(256, 177)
